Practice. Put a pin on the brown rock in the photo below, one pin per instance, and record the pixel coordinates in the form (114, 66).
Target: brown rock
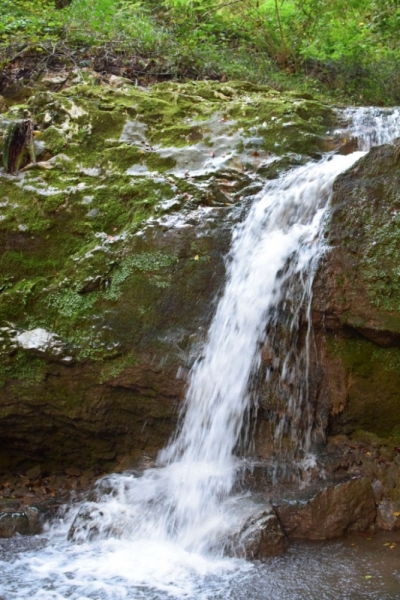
(34, 473)
(12, 523)
(33, 516)
(21, 492)
(337, 509)
(127, 463)
(356, 297)
(388, 515)
(73, 472)
(267, 540)
(57, 483)
(260, 534)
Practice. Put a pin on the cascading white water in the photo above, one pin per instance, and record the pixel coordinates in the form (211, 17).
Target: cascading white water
(372, 126)
(155, 531)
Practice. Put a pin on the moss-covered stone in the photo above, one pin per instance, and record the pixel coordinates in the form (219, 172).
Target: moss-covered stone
(357, 299)
(372, 384)
(105, 246)
(365, 229)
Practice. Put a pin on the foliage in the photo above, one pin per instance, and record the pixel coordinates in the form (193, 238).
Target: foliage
(37, 21)
(349, 48)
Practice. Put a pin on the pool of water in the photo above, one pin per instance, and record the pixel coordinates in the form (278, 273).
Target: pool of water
(354, 568)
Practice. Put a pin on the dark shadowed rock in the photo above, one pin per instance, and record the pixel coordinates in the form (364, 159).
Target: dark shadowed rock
(26, 522)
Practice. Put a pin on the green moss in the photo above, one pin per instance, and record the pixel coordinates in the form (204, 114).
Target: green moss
(155, 162)
(53, 140)
(373, 380)
(122, 156)
(145, 262)
(71, 304)
(366, 232)
(22, 367)
(380, 263)
(368, 438)
(63, 265)
(113, 368)
(178, 135)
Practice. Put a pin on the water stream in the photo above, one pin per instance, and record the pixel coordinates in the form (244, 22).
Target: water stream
(165, 532)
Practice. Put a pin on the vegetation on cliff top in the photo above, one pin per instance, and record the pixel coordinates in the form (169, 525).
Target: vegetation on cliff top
(348, 49)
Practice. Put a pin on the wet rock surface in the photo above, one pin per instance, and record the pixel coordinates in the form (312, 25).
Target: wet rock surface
(262, 535)
(355, 314)
(26, 522)
(356, 299)
(28, 500)
(112, 253)
(258, 532)
(367, 456)
(337, 509)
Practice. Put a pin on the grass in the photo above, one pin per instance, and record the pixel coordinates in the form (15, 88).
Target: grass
(343, 51)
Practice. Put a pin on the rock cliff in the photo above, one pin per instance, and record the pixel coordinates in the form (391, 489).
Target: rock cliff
(113, 245)
(112, 254)
(356, 319)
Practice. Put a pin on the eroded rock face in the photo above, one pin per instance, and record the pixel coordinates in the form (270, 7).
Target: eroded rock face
(337, 509)
(357, 323)
(357, 299)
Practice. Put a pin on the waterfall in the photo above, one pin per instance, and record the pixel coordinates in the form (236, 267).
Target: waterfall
(174, 519)
(371, 126)
(278, 243)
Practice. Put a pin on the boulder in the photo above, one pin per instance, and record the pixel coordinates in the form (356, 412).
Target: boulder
(26, 522)
(262, 536)
(257, 532)
(331, 512)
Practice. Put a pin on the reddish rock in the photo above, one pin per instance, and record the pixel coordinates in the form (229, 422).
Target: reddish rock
(345, 507)
(259, 534)
(270, 541)
(262, 536)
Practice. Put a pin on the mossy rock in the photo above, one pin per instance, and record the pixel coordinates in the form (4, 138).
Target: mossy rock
(372, 382)
(104, 245)
(357, 298)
